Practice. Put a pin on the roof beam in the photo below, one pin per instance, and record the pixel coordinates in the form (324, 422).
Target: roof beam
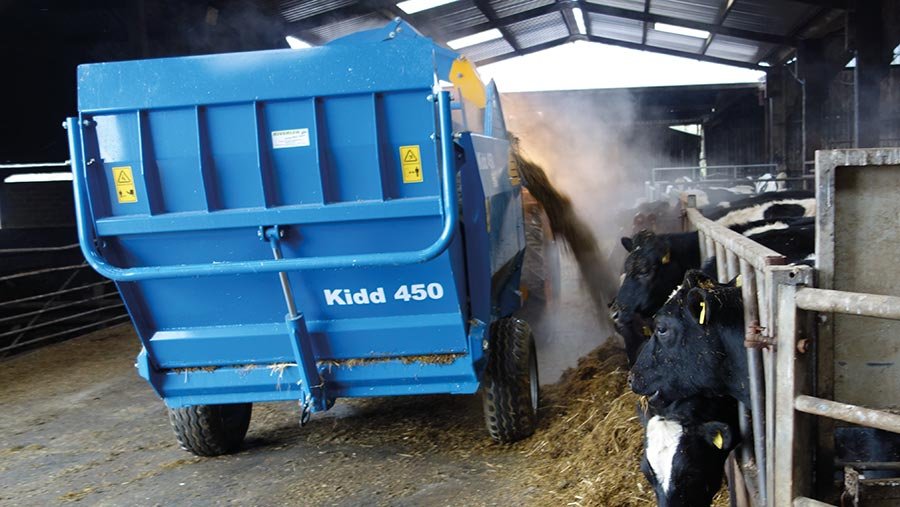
(646, 24)
(627, 14)
(507, 20)
(485, 7)
(696, 25)
(724, 9)
(532, 49)
(624, 44)
(674, 52)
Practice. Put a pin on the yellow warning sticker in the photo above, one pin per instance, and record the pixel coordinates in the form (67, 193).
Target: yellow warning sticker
(124, 184)
(411, 163)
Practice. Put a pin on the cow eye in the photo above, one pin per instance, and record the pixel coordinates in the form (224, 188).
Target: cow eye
(662, 330)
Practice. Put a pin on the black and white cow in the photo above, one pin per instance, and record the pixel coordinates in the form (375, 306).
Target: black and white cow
(686, 444)
(697, 345)
(767, 206)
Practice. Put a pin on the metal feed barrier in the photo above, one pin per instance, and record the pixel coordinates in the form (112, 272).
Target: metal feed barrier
(790, 458)
(792, 454)
(762, 271)
(717, 176)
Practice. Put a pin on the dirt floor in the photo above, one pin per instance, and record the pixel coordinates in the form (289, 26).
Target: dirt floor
(79, 427)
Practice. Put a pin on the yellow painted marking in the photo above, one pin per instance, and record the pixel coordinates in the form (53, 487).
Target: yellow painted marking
(718, 441)
(464, 76)
(124, 181)
(702, 312)
(411, 163)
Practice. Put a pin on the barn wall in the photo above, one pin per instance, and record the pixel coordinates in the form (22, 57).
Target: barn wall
(838, 111)
(737, 135)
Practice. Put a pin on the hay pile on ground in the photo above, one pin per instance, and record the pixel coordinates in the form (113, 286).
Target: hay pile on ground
(588, 450)
(565, 223)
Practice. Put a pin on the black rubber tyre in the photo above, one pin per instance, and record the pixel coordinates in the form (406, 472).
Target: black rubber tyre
(540, 266)
(211, 430)
(511, 388)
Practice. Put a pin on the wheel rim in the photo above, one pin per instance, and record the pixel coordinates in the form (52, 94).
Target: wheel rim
(533, 382)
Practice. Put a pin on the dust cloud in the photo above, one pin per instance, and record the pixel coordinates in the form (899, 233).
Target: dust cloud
(595, 152)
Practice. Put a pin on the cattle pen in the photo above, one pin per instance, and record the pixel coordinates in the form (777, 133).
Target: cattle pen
(795, 358)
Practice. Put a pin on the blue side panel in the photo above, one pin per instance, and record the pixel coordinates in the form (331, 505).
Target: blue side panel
(255, 76)
(298, 154)
(294, 170)
(177, 163)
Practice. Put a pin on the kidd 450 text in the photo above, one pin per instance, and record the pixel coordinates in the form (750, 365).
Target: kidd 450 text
(404, 293)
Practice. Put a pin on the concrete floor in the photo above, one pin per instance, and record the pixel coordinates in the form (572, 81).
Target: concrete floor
(78, 426)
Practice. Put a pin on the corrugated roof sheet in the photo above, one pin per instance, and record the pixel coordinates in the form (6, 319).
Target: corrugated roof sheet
(611, 27)
(691, 10)
(510, 7)
(534, 31)
(487, 50)
(743, 34)
(632, 5)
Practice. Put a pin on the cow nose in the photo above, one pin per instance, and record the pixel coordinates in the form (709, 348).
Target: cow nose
(615, 316)
(630, 379)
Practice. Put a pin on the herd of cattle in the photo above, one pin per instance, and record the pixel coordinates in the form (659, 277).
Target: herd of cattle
(684, 335)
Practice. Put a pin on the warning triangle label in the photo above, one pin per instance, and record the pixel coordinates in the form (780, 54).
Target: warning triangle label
(410, 157)
(123, 177)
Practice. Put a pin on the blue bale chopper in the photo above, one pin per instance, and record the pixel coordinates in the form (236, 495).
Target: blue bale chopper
(339, 221)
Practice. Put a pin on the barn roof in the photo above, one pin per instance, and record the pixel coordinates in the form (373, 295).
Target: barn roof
(744, 33)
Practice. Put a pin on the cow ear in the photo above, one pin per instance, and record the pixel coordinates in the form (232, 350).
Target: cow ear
(718, 435)
(697, 305)
(627, 243)
(697, 278)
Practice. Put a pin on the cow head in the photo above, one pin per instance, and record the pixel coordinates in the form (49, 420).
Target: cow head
(697, 345)
(685, 447)
(693, 475)
(650, 274)
(635, 330)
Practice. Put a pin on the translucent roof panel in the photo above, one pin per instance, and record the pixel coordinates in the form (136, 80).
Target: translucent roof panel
(732, 48)
(611, 27)
(674, 41)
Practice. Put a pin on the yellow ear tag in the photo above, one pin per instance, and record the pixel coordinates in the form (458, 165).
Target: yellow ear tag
(739, 281)
(702, 312)
(647, 331)
(666, 258)
(718, 441)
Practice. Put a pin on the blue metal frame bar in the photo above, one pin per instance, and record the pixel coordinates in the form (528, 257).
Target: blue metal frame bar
(86, 236)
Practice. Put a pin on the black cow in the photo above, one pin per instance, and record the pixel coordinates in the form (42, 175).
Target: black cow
(656, 265)
(697, 346)
(685, 447)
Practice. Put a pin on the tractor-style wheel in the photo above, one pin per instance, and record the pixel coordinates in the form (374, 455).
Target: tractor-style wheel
(211, 430)
(511, 387)
(540, 265)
